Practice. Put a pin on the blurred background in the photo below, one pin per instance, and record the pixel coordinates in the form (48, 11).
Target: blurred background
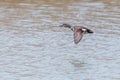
(34, 47)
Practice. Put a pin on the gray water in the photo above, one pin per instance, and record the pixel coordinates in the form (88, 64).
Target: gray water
(34, 47)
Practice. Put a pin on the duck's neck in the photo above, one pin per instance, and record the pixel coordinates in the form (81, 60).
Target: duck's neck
(67, 25)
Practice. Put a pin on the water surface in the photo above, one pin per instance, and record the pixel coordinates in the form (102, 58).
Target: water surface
(33, 47)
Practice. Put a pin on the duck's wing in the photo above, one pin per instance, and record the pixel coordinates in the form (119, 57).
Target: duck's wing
(78, 34)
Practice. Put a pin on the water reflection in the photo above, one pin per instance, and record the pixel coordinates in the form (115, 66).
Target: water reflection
(34, 47)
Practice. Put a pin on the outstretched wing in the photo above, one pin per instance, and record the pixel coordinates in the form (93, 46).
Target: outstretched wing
(77, 35)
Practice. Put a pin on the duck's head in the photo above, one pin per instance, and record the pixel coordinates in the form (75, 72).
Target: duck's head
(65, 25)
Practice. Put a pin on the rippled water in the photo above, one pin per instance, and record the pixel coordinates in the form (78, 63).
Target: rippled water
(33, 47)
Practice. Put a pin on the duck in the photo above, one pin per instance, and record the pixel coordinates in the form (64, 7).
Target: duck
(79, 31)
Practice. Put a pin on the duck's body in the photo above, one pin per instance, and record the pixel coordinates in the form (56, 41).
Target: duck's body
(78, 31)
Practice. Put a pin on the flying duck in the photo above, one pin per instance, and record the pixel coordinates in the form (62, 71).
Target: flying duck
(78, 31)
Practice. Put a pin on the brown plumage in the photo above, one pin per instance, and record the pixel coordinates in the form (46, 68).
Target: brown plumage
(79, 31)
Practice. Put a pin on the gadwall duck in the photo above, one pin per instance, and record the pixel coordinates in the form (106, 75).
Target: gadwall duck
(78, 31)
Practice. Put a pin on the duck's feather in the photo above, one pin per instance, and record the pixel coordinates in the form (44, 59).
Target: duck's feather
(77, 35)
